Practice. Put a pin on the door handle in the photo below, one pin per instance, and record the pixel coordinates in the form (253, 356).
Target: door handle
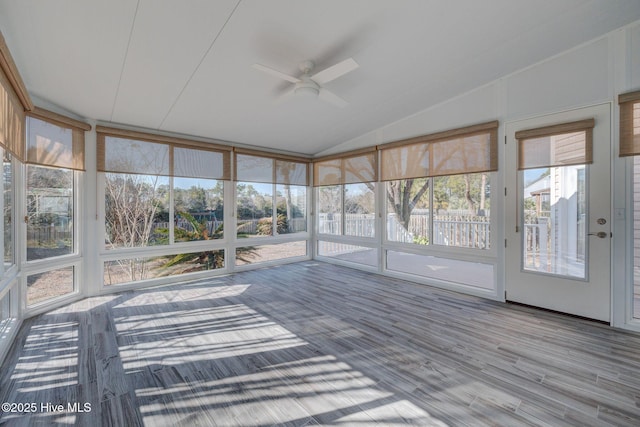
(600, 234)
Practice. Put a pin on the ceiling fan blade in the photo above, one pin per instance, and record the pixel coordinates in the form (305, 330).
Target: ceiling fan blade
(335, 71)
(285, 96)
(275, 73)
(332, 98)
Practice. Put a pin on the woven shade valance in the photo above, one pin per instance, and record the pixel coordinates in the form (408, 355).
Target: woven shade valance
(629, 124)
(558, 145)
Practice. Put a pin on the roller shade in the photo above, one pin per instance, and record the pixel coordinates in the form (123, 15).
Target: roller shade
(346, 168)
(133, 156)
(409, 161)
(291, 173)
(629, 124)
(254, 168)
(458, 151)
(122, 151)
(269, 169)
(191, 163)
(363, 168)
(558, 145)
(55, 140)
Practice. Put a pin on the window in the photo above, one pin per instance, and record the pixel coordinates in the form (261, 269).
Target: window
(199, 209)
(357, 201)
(5, 311)
(346, 194)
(330, 209)
(291, 202)
(359, 210)
(460, 215)
(7, 209)
(267, 190)
(255, 210)
(408, 210)
(265, 253)
(49, 285)
(50, 207)
(438, 187)
(136, 210)
(55, 160)
(349, 253)
(462, 210)
(55, 151)
(477, 274)
(161, 192)
(129, 270)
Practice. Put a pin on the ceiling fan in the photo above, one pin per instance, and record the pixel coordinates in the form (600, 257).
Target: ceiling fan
(311, 84)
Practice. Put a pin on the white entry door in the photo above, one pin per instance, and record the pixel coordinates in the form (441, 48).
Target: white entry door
(557, 222)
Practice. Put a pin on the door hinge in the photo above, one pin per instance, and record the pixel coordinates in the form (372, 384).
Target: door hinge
(505, 243)
(505, 295)
(505, 191)
(505, 139)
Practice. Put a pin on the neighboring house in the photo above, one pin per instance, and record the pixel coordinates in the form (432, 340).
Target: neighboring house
(556, 229)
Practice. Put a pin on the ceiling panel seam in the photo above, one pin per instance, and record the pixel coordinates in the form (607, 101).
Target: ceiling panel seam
(124, 61)
(195, 70)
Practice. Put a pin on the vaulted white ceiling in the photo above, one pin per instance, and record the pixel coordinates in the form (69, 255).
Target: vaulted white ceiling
(185, 66)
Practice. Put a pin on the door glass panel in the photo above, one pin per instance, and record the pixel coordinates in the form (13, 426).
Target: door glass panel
(554, 220)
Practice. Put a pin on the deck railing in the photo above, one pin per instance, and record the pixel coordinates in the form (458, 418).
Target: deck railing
(536, 246)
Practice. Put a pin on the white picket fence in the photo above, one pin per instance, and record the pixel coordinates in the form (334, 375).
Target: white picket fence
(450, 230)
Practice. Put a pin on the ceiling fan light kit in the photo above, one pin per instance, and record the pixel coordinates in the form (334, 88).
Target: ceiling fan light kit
(310, 85)
(306, 90)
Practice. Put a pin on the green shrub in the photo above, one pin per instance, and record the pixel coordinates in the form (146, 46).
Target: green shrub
(421, 240)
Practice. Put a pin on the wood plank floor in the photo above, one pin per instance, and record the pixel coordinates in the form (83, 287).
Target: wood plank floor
(316, 344)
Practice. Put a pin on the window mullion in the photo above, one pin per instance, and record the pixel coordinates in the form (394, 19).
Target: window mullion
(431, 211)
(171, 211)
(274, 210)
(343, 223)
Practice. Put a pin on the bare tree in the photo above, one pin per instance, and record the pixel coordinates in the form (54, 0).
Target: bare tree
(131, 204)
(402, 197)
